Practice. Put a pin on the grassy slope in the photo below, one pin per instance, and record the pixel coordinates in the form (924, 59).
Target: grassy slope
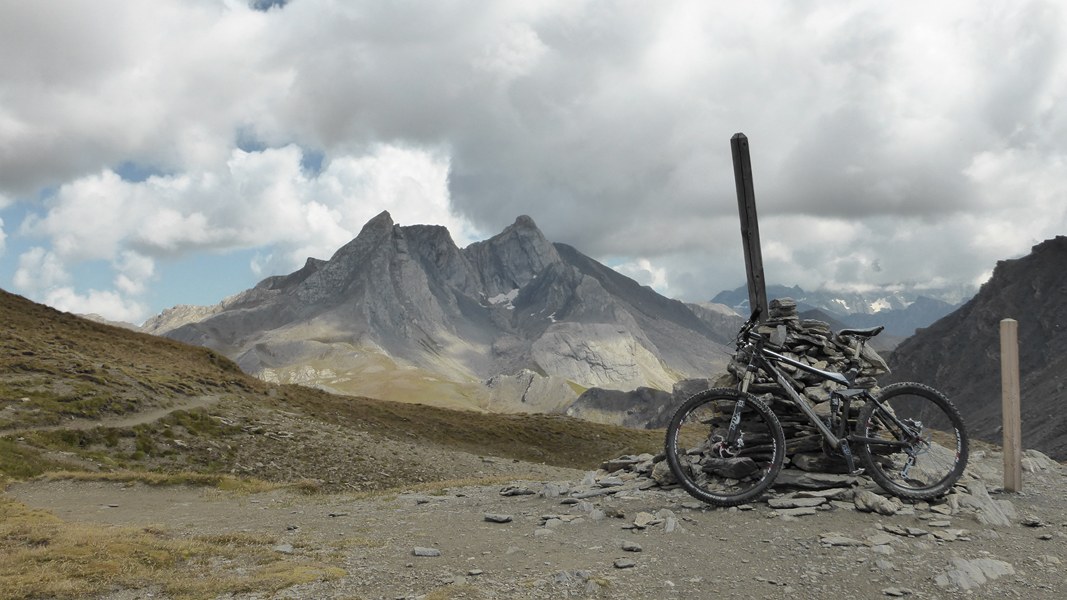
(55, 367)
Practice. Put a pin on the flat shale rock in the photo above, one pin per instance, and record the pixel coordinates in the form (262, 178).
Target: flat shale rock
(795, 502)
(969, 574)
(867, 501)
(813, 481)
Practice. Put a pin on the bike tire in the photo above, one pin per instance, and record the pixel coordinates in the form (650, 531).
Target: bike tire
(699, 465)
(938, 449)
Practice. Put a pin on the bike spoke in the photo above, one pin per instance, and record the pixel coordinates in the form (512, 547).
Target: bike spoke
(723, 452)
(922, 447)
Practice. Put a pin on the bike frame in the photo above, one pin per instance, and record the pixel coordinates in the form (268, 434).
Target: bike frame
(767, 360)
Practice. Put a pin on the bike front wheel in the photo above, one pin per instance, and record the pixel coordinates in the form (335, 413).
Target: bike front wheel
(914, 443)
(720, 464)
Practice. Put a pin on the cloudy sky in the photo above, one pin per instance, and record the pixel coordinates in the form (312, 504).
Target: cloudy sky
(161, 152)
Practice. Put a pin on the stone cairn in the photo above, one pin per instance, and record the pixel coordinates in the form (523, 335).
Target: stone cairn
(812, 481)
(811, 342)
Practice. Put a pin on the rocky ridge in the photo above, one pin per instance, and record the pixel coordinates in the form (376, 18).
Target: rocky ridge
(402, 313)
(960, 354)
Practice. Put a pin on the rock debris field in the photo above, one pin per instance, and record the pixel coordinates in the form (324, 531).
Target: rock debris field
(620, 533)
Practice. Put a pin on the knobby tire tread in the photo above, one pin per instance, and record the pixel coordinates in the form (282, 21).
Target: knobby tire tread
(672, 450)
(875, 470)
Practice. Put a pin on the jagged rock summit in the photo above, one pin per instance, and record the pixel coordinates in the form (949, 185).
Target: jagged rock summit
(403, 313)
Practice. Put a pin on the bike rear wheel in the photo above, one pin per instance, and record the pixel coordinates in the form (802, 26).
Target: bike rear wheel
(715, 465)
(921, 448)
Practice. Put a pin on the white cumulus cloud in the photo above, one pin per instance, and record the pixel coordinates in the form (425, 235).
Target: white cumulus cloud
(134, 272)
(255, 200)
(902, 135)
(39, 271)
(644, 272)
(106, 303)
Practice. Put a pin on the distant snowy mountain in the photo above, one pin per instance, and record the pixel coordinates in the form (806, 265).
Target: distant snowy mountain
(900, 309)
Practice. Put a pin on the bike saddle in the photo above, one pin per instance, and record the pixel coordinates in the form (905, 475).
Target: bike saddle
(868, 332)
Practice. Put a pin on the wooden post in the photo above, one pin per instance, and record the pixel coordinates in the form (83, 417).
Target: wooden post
(1009, 378)
(746, 207)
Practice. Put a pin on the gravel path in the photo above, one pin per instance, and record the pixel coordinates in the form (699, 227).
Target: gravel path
(548, 543)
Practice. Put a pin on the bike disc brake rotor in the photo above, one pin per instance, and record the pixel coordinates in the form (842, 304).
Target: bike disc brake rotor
(721, 449)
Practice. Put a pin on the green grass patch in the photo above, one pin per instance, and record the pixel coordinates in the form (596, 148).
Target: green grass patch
(577, 387)
(118, 447)
(85, 401)
(18, 461)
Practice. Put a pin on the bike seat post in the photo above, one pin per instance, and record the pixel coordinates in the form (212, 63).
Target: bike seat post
(854, 360)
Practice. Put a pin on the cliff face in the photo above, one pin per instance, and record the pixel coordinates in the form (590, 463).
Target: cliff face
(960, 353)
(409, 298)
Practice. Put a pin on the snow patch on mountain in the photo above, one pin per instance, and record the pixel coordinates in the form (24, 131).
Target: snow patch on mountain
(901, 308)
(505, 299)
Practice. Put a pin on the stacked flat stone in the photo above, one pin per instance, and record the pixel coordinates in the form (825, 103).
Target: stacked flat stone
(811, 342)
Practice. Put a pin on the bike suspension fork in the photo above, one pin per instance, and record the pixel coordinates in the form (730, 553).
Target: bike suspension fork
(746, 380)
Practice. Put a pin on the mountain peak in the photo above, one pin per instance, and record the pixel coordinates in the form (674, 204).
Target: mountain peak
(523, 222)
(407, 295)
(523, 231)
(382, 221)
(1056, 244)
(371, 236)
(513, 257)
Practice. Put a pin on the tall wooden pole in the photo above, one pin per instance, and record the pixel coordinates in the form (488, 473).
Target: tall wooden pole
(746, 207)
(1009, 383)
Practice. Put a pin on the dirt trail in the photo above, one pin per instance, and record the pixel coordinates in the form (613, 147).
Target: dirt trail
(127, 420)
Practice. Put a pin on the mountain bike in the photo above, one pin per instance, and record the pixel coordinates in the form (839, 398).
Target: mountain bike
(725, 446)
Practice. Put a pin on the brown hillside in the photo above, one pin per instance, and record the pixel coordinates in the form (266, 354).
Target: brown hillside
(58, 366)
(75, 393)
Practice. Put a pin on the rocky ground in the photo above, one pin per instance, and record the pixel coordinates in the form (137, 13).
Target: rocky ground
(618, 534)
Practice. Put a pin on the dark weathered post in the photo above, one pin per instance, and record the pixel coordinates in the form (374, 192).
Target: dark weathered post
(746, 206)
(1009, 383)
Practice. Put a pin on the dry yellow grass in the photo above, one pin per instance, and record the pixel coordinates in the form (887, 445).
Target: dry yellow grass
(47, 557)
